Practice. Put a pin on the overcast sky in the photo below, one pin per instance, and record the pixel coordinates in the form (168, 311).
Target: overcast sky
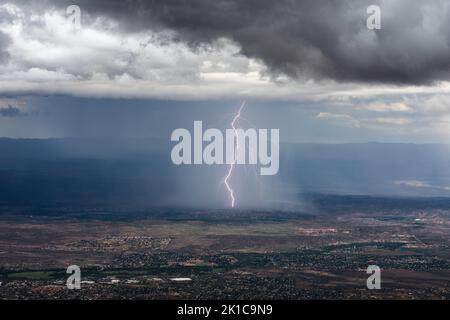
(311, 68)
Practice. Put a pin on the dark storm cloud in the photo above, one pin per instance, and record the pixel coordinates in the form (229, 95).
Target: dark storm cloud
(307, 38)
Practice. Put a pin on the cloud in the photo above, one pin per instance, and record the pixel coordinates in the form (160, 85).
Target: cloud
(11, 112)
(437, 104)
(351, 121)
(365, 121)
(49, 56)
(405, 114)
(413, 183)
(306, 38)
(419, 184)
(344, 119)
(393, 120)
(216, 50)
(388, 107)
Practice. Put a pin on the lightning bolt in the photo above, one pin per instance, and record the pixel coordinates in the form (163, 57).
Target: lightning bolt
(236, 148)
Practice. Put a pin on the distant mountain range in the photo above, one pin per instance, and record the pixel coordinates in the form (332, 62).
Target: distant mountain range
(125, 172)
